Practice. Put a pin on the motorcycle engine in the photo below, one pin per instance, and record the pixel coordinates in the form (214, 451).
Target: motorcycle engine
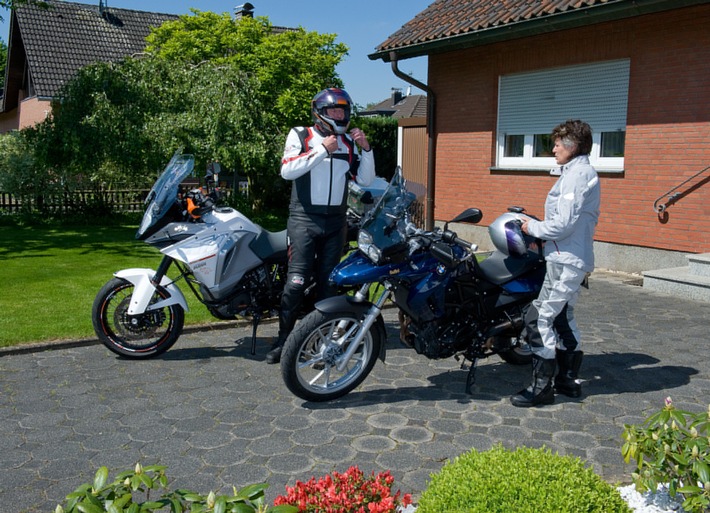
(438, 340)
(234, 307)
(250, 297)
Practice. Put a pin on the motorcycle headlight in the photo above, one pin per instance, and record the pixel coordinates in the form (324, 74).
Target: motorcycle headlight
(366, 245)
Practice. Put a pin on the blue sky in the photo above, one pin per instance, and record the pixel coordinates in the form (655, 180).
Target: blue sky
(361, 25)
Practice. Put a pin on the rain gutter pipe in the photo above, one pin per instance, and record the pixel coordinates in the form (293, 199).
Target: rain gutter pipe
(431, 104)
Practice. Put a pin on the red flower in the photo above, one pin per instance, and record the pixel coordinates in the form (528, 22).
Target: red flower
(349, 492)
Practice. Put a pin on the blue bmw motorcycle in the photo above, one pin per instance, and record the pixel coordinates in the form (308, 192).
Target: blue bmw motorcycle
(450, 303)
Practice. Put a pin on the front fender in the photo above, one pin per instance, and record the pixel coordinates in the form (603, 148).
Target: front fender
(343, 304)
(358, 307)
(144, 289)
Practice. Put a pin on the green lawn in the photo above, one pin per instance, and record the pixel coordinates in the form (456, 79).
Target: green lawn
(51, 275)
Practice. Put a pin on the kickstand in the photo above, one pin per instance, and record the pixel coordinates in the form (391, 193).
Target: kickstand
(471, 377)
(254, 324)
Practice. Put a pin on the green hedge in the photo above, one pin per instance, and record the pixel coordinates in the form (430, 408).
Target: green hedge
(524, 481)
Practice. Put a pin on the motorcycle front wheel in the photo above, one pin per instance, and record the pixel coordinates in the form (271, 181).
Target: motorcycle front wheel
(134, 336)
(314, 349)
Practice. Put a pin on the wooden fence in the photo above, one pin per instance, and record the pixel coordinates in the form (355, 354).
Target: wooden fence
(121, 200)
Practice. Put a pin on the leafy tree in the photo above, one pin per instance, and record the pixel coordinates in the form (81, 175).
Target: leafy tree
(3, 61)
(20, 173)
(17, 169)
(382, 134)
(95, 132)
(6, 4)
(9, 4)
(119, 122)
(290, 66)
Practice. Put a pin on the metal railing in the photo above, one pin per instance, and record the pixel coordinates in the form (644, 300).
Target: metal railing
(675, 194)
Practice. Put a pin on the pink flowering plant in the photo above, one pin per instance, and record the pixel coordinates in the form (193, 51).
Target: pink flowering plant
(672, 448)
(349, 492)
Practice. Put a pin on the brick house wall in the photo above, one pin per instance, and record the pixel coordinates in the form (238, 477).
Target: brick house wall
(668, 126)
(30, 112)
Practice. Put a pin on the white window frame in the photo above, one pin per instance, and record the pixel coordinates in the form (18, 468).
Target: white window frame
(535, 102)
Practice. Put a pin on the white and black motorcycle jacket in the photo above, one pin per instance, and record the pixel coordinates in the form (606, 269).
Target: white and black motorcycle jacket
(571, 216)
(321, 179)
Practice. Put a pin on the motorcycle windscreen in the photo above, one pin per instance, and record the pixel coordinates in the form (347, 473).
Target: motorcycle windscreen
(384, 223)
(162, 198)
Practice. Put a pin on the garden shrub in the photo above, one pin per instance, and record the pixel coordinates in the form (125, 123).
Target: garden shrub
(526, 480)
(672, 449)
(145, 490)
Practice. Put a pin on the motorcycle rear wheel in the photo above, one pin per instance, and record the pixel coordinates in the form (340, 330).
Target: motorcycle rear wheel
(311, 354)
(134, 336)
(518, 352)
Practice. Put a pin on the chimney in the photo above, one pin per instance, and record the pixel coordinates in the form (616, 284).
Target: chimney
(103, 5)
(396, 95)
(244, 11)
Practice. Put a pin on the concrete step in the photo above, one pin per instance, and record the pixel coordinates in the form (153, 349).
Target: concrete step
(699, 264)
(679, 282)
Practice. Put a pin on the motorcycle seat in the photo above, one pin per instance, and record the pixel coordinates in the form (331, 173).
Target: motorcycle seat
(270, 246)
(499, 268)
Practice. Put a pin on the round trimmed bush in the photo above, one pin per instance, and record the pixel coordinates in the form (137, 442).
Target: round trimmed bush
(526, 480)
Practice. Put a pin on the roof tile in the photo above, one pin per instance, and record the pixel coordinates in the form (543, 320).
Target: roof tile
(447, 18)
(67, 36)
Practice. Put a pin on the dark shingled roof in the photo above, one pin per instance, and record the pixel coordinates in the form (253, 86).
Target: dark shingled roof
(67, 36)
(412, 106)
(448, 24)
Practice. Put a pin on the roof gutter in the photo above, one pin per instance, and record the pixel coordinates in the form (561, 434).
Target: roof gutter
(431, 110)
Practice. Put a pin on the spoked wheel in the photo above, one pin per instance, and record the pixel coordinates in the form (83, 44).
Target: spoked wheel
(134, 336)
(515, 350)
(313, 351)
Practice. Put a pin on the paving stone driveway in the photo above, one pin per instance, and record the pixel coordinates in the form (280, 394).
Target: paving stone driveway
(218, 416)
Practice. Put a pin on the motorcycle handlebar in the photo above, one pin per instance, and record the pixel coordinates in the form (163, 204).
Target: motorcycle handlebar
(446, 236)
(452, 238)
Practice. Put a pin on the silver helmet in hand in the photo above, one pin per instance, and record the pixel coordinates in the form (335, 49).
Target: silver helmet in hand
(507, 236)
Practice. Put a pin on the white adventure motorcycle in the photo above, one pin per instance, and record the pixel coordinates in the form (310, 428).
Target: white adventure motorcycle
(231, 264)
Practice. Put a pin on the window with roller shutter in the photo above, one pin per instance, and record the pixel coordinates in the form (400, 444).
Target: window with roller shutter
(531, 104)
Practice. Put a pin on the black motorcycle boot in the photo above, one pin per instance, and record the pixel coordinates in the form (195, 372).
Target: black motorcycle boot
(287, 320)
(566, 382)
(541, 390)
(274, 355)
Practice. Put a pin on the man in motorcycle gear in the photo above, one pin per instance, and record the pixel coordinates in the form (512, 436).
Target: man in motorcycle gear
(571, 215)
(331, 121)
(319, 160)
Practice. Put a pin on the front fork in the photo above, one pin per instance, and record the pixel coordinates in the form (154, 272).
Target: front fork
(364, 326)
(145, 282)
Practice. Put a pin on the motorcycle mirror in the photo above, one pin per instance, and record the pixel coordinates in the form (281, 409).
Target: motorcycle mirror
(470, 215)
(213, 170)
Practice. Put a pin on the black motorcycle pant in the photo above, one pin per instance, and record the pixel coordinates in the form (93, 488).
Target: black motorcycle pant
(550, 322)
(315, 247)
